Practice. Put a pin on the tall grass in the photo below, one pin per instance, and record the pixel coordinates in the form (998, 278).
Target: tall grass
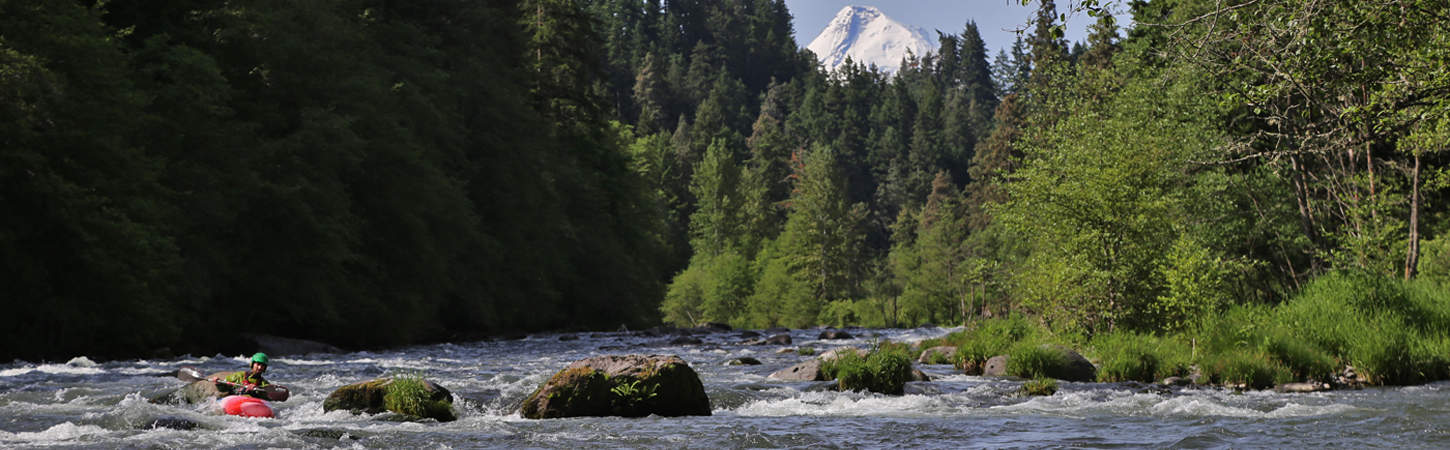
(1388, 329)
(408, 394)
(992, 337)
(1128, 356)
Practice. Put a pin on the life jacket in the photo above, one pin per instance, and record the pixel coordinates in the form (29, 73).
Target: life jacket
(243, 378)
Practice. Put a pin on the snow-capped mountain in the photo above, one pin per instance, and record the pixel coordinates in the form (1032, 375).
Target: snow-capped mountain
(868, 37)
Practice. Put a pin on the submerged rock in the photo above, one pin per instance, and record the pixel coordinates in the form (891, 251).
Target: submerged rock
(714, 327)
(396, 395)
(834, 334)
(282, 346)
(918, 375)
(686, 340)
(194, 392)
(743, 361)
(779, 339)
(325, 433)
(806, 371)
(620, 385)
(175, 423)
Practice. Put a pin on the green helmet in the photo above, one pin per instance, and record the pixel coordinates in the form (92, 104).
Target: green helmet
(261, 358)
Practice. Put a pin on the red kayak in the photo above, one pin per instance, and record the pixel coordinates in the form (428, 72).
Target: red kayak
(245, 406)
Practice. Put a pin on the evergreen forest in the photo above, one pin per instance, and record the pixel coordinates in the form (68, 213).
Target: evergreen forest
(375, 173)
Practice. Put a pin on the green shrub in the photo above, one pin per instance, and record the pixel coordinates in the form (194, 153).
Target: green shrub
(1040, 387)
(1127, 356)
(1254, 370)
(1388, 329)
(940, 358)
(1032, 360)
(885, 371)
(1304, 360)
(990, 338)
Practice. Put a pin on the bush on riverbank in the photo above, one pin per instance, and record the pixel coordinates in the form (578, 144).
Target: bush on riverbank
(1392, 331)
(1128, 356)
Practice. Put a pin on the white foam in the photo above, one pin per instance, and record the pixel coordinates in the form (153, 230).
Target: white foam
(63, 432)
(80, 361)
(837, 404)
(52, 369)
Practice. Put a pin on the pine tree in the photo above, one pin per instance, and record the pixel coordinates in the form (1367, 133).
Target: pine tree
(1102, 43)
(650, 96)
(819, 256)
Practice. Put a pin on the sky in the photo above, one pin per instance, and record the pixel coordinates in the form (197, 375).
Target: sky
(996, 19)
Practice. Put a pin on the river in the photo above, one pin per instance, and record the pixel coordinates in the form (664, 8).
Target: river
(85, 404)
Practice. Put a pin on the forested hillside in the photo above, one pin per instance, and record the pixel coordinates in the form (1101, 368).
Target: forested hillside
(374, 173)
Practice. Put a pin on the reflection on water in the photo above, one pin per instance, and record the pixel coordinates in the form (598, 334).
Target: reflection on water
(82, 403)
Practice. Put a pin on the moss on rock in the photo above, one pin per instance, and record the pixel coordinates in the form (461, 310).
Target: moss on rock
(627, 386)
(407, 395)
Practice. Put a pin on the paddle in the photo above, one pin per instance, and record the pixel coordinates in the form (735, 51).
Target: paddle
(276, 393)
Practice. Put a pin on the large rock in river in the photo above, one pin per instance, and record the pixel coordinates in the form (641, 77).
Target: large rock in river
(620, 385)
(809, 370)
(407, 396)
(281, 346)
(194, 392)
(1070, 366)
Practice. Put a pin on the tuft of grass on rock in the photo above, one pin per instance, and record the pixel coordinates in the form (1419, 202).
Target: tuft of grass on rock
(885, 370)
(1040, 387)
(408, 395)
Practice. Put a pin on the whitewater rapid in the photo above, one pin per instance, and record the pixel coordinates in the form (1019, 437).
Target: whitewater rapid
(83, 403)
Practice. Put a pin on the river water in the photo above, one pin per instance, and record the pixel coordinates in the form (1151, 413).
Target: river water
(85, 404)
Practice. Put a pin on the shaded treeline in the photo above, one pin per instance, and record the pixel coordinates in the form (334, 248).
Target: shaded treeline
(366, 173)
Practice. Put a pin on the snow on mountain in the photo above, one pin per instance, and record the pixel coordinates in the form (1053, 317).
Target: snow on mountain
(868, 37)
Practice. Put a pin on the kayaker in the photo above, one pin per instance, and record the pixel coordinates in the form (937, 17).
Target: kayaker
(246, 382)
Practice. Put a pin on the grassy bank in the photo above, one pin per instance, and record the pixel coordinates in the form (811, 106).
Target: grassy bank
(1392, 332)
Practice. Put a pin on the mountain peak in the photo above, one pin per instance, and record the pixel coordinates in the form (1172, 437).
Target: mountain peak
(868, 36)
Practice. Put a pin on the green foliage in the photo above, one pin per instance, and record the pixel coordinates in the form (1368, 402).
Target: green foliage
(1130, 356)
(805, 351)
(1198, 284)
(885, 370)
(1435, 261)
(1028, 359)
(1252, 369)
(1040, 387)
(711, 289)
(632, 393)
(408, 394)
(1373, 323)
(983, 340)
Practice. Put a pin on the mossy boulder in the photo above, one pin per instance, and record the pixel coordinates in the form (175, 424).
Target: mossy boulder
(620, 385)
(409, 396)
